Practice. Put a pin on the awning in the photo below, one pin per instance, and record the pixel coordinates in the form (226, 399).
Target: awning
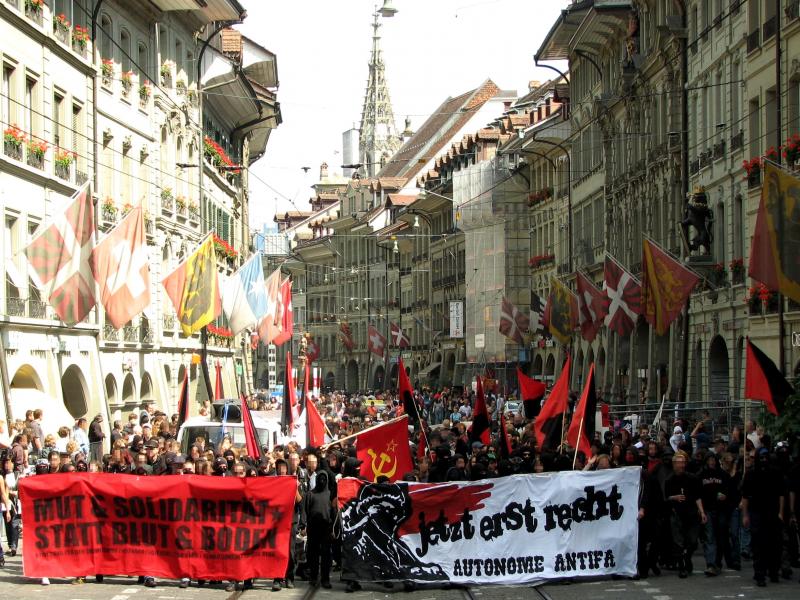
(428, 371)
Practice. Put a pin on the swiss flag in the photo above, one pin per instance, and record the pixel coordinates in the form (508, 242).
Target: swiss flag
(120, 264)
(60, 257)
(399, 339)
(377, 342)
(287, 315)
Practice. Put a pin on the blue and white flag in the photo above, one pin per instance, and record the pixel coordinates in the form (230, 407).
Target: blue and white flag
(244, 295)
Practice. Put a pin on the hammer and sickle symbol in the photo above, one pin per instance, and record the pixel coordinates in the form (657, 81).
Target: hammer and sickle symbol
(384, 458)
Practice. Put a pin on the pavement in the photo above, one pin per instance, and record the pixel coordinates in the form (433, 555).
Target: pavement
(730, 584)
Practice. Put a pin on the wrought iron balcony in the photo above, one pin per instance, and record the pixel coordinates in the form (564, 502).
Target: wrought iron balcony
(130, 333)
(169, 322)
(110, 334)
(36, 309)
(719, 150)
(792, 10)
(15, 307)
(146, 335)
(694, 166)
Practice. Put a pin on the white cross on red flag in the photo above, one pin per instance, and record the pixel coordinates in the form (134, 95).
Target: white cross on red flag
(60, 259)
(513, 322)
(120, 264)
(399, 339)
(591, 307)
(377, 342)
(624, 297)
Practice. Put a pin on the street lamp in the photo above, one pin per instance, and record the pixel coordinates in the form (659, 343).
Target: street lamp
(387, 10)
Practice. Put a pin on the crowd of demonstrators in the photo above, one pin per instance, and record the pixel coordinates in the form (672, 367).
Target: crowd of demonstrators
(734, 495)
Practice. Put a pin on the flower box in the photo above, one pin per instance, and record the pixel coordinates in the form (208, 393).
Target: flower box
(107, 71)
(541, 260)
(737, 271)
(127, 82)
(33, 10)
(80, 39)
(223, 249)
(61, 28)
(36, 149)
(13, 138)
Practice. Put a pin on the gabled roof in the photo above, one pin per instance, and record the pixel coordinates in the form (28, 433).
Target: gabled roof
(437, 132)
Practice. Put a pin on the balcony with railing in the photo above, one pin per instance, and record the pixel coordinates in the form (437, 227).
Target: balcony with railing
(110, 333)
(108, 217)
(15, 307)
(719, 150)
(169, 322)
(37, 309)
(146, 335)
(130, 333)
(792, 10)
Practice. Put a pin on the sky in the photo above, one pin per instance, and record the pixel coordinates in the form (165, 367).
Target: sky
(433, 49)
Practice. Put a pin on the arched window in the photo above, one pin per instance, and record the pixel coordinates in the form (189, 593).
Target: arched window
(125, 49)
(106, 34)
(143, 62)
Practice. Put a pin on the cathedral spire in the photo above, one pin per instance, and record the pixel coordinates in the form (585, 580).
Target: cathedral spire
(378, 139)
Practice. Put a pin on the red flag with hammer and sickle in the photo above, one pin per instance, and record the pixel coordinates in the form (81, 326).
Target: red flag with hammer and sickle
(384, 450)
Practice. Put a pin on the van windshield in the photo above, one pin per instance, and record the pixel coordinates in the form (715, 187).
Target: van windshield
(213, 434)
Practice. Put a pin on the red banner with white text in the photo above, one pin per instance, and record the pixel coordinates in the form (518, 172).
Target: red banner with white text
(218, 528)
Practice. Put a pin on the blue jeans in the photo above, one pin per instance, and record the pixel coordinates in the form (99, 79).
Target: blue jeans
(716, 539)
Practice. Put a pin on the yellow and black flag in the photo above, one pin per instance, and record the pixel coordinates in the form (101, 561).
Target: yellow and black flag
(561, 313)
(194, 289)
(778, 225)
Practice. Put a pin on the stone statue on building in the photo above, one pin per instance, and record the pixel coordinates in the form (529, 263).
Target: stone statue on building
(697, 216)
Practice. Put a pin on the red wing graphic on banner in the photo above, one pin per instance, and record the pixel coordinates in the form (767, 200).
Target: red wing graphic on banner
(508, 530)
(176, 526)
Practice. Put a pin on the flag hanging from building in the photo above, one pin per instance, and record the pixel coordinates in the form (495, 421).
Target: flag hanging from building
(384, 451)
(581, 429)
(244, 295)
(561, 312)
(623, 297)
(286, 313)
(312, 351)
(346, 335)
(377, 342)
(531, 393)
(121, 267)
(666, 285)
(193, 289)
(272, 324)
(481, 427)
(777, 269)
(60, 259)
(399, 339)
(537, 314)
(219, 389)
(763, 380)
(513, 322)
(591, 307)
(549, 424)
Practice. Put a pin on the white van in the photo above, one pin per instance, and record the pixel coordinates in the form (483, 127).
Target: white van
(228, 423)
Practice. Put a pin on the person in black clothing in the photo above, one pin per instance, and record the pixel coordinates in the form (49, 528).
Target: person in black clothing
(318, 508)
(683, 494)
(458, 471)
(716, 485)
(762, 512)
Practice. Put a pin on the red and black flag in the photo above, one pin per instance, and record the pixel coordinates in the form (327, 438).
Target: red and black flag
(549, 423)
(289, 411)
(481, 425)
(406, 393)
(581, 429)
(505, 441)
(183, 400)
(250, 435)
(531, 393)
(763, 380)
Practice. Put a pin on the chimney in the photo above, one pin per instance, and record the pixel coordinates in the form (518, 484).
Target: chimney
(533, 84)
(323, 171)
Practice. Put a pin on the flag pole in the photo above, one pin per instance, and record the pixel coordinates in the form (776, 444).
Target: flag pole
(355, 435)
(580, 433)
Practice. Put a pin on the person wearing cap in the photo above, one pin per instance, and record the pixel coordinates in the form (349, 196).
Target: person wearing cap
(763, 512)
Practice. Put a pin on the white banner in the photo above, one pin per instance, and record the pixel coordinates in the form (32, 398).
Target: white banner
(456, 319)
(517, 529)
